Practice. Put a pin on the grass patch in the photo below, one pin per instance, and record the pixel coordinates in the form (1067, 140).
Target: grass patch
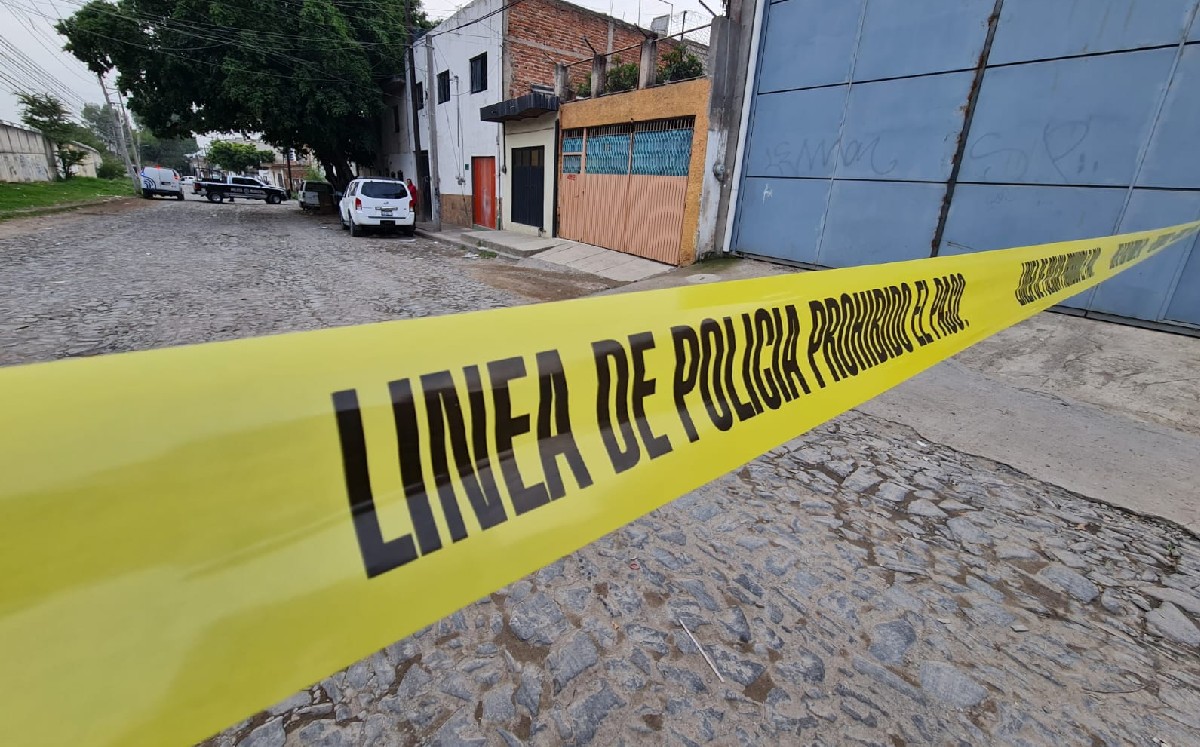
(16, 197)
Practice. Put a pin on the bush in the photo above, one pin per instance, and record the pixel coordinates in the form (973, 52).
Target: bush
(621, 77)
(584, 88)
(111, 168)
(678, 63)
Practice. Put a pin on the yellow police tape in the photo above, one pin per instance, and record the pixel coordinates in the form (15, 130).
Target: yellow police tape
(192, 534)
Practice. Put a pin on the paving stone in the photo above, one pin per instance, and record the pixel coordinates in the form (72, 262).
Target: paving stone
(891, 492)
(951, 685)
(460, 729)
(498, 706)
(923, 507)
(537, 619)
(529, 692)
(685, 678)
(269, 734)
(458, 686)
(1007, 551)
(327, 734)
(1069, 581)
(1181, 599)
(802, 666)
(299, 700)
(571, 659)
(966, 531)
(891, 640)
(740, 670)
(591, 712)
(1169, 622)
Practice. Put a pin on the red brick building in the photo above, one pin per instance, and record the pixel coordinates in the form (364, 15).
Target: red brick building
(539, 33)
(484, 82)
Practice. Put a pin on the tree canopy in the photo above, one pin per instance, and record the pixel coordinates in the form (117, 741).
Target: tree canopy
(48, 114)
(304, 73)
(238, 157)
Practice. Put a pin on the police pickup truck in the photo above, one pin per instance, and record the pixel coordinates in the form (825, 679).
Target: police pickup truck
(246, 187)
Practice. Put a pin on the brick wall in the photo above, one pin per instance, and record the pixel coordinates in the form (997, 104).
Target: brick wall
(543, 32)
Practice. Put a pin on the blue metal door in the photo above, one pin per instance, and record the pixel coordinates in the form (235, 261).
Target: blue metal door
(884, 130)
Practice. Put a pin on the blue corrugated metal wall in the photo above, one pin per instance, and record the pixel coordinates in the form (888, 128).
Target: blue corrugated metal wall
(1085, 123)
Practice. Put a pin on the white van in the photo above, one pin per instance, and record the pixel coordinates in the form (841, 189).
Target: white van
(159, 181)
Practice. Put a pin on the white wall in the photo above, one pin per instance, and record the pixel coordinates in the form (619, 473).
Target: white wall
(23, 155)
(527, 134)
(461, 134)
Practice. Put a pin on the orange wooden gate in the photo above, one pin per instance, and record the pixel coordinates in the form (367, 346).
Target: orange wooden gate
(483, 188)
(624, 187)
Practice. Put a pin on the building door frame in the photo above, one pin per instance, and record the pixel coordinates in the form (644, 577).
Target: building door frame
(483, 191)
(529, 186)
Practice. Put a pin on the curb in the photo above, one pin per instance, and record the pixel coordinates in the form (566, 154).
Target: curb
(449, 241)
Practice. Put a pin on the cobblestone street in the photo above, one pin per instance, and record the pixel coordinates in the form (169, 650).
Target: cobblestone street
(859, 585)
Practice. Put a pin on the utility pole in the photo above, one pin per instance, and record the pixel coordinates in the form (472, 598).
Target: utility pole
(435, 181)
(289, 179)
(412, 95)
(137, 180)
(133, 140)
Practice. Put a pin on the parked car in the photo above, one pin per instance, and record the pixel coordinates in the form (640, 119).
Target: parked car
(376, 203)
(313, 192)
(246, 187)
(187, 181)
(159, 181)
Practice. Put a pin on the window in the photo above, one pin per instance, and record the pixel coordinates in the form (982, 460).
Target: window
(420, 95)
(443, 81)
(245, 181)
(395, 117)
(384, 190)
(572, 151)
(479, 73)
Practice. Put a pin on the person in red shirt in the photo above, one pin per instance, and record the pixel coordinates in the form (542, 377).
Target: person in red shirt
(413, 194)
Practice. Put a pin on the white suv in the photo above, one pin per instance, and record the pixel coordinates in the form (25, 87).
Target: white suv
(376, 202)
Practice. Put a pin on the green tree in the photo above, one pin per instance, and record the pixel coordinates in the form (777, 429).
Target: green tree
(621, 77)
(301, 72)
(48, 114)
(171, 152)
(237, 157)
(100, 120)
(679, 63)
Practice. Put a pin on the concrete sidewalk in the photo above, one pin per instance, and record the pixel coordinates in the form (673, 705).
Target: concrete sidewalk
(574, 255)
(1110, 412)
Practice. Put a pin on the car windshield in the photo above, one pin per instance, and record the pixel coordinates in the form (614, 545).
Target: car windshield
(318, 187)
(384, 190)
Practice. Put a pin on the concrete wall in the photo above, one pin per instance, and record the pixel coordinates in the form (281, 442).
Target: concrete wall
(396, 144)
(884, 130)
(24, 155)
(529, 133)
(90, 165)
(686, 99)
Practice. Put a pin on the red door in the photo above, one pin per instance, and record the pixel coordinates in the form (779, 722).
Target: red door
(483, 182)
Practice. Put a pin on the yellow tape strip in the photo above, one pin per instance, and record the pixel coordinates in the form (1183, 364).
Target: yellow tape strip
(192, 534)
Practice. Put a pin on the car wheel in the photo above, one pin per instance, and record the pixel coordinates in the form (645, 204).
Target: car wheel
(179, 196)
(342, 218)
(273, 199)
(212, 197)
(410, 230)
(355, 229)
(147, 194)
